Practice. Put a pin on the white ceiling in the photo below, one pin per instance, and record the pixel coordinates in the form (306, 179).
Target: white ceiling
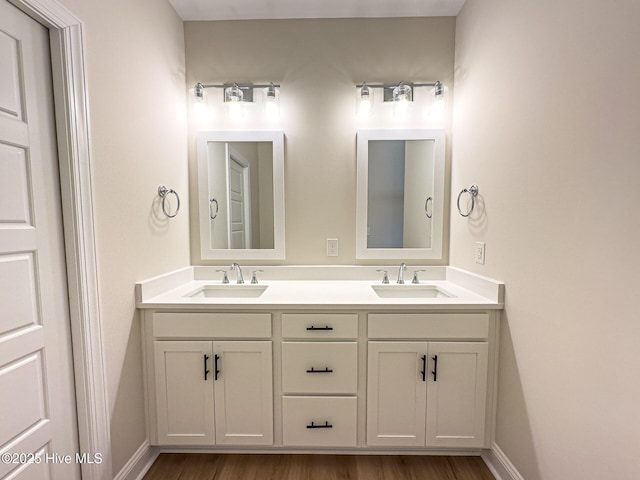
(273, 9)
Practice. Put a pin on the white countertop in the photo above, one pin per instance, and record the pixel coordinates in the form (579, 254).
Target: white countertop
(317, 291)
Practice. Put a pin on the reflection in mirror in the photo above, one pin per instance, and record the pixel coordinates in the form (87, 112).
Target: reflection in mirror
(400, 184)
(400, 194)
(241, 195)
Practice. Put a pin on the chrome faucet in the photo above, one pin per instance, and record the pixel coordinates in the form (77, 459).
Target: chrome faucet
(403, 267)
(235, 266)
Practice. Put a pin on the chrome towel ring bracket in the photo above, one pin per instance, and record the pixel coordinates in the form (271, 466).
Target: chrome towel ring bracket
(164, 192)
(473, 192)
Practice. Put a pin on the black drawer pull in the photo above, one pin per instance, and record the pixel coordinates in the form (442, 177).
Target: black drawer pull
(435, 368)
(327, 327)
(206, 372)
(326, 425)
(215, 366)
(326, 370)
(424, 368)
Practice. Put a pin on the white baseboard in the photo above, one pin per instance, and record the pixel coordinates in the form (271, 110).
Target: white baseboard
(500, 465)
(139, 463)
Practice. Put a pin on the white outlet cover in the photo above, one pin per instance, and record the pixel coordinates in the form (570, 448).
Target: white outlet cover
(480, 247)
(332, 247)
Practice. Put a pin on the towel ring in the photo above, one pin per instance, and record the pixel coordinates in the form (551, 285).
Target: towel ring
(473, 191)
(426, 207)
(164, 193)
(213, 215)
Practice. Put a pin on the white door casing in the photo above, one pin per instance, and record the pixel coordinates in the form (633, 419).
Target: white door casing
(37, 395)
(71, 111)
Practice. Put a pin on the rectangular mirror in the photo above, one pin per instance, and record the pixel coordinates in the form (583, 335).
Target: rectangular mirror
(400, 194)
(241, 195)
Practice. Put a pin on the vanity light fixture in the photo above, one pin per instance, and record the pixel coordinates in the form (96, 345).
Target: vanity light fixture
(400, 94)
(365, 99)
(235, 95)
(272, 101)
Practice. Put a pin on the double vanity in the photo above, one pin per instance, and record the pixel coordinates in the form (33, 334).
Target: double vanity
(320, 358)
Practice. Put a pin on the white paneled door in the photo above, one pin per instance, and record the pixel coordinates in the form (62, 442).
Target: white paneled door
(37, 402)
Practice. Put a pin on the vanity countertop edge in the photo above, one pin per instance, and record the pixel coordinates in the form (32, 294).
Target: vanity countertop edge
(321, 288)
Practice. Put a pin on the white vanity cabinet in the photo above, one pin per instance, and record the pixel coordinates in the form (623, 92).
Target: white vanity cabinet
(300, 378)
(427, 393)
(210, 390)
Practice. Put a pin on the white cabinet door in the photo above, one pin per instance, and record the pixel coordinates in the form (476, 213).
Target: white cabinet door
(243, 393)
(456, 394)
(396, 393)
(184, 393)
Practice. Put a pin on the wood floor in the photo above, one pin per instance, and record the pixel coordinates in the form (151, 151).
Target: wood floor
(200, 466)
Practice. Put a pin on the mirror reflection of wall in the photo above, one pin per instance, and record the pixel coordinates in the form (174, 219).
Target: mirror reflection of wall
(400, 181)
(240, 176)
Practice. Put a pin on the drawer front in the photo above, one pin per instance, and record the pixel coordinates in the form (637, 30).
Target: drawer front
(312, 325)
(212, 325)
(429, 325)
(319, 367)
(319, 421)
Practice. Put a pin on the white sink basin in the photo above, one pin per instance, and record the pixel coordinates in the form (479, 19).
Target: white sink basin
(228, 291)
(410, 291)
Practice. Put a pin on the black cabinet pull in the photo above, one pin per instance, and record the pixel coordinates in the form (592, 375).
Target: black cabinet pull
(326, 370)
(327, 327)
(206, 372)
(326, 425)
(435, 368)
(215, 366)
(424, 368)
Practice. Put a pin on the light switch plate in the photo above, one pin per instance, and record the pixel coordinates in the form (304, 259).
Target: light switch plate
(480, 253)
(332, 247)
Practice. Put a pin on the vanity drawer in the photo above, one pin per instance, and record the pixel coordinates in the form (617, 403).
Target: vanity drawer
(320, 325)
(319, 367)
(336, 418)
(212, 325)
(429, 325)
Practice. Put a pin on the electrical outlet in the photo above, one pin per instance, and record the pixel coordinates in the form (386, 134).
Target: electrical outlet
(480, 253)
(332, 247)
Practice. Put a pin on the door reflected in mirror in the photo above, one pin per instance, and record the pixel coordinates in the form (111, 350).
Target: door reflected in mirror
(400, 194)
(241, 195)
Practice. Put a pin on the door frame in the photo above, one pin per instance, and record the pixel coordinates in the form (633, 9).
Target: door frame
(74, 162)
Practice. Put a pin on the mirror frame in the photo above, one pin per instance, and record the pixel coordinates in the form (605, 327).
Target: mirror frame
(435, 251)
(277, 138)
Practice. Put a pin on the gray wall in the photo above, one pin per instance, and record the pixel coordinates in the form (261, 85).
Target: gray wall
(546, 123)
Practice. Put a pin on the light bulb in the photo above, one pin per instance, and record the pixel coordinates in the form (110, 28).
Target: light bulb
(233, 98)
(439, 105)
(365, 98)
(272, 101)
(402, 95)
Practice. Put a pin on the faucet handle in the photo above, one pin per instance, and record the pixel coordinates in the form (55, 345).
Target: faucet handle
(225, 277)
(385, 276)
(254, 278)
(415, 276)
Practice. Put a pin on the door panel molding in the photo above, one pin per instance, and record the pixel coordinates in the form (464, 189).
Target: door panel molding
(71, 111)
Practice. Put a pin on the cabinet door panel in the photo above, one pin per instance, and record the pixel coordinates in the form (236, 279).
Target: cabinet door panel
(456, 400)
(184, 399)
(244, 393)
(396, 394)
